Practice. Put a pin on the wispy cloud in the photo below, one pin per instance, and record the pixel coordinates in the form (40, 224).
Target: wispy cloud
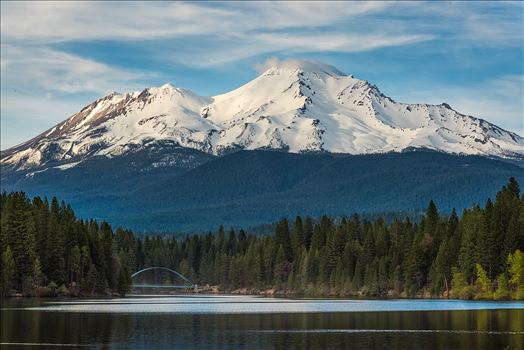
(54, 71)
(221, 33)
(59, 21)
(37, 58)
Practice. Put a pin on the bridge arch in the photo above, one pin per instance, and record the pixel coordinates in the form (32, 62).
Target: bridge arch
(187, 282)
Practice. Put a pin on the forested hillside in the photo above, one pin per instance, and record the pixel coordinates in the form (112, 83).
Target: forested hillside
(475, 254)
(199, 192)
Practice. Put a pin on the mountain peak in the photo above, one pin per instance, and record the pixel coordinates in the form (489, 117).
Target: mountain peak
(274, 67)
(167, 88)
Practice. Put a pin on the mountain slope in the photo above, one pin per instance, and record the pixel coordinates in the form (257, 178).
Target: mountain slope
(168, 159)
(296, 106)
(252, 187)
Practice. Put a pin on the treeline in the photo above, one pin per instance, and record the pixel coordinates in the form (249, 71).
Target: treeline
(47, 251)
(476, 255)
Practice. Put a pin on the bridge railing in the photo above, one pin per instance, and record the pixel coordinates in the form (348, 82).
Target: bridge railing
(187, 284)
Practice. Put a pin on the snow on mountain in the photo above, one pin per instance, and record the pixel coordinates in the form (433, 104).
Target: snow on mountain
(296, 106)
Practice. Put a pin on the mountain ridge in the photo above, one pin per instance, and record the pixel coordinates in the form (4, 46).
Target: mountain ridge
(295, 106)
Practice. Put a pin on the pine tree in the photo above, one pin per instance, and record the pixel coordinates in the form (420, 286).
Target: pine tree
(41, 216)
(8, 271)
(88, 284)
(124, 281)
(443, 264)
(20, 236)
(511, 236)
(516, 273)
(75, 264)
(308, 231)
(502, 291)
(471, 225)
(282, 268)
(483, 284)
(37, 274)
(335, 247)
(513, 187)
(431, 218)
(488, 248)
(282, 237)
(358, 277)
(413, 274)
(459, 286)
(297, 236)
(53, 262)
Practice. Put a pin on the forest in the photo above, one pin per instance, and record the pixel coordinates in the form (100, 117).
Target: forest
(477, 254)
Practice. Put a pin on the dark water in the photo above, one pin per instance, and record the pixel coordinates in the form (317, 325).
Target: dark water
(260, 323)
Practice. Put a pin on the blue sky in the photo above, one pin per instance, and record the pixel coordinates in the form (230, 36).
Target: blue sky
(56, 57)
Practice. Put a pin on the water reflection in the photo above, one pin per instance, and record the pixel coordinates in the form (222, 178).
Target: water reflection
(449, 329)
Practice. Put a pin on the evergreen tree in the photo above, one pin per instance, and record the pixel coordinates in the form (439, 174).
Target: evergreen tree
(476, 255)
(54, 264)
(37, 274)
(88, 284)
(124, 281)
(282, 238)
(516, 273)
(483, 284)
(75, 264)
(443, 263)
(20, 235)
(308, 231)
(431, 218)
(297, 236)
(8, 271)
(502, 291)
(489, 243)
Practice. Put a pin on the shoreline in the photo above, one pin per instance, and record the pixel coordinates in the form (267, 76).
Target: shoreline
(258, 293)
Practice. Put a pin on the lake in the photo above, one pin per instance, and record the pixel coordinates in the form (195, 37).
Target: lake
(248, 322)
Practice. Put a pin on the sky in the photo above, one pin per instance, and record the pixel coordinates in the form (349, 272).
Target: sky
(57, 57)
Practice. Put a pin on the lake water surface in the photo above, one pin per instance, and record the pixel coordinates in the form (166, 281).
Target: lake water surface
(239, 322)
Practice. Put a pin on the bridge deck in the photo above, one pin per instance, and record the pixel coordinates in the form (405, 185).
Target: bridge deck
(188, 284)
(161, 286)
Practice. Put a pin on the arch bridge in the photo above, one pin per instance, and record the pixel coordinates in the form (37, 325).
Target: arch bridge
(185, 284)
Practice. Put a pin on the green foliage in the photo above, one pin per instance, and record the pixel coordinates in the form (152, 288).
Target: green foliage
(350, 256)
(8, 272)
(124, 281)
(62, 290)
(442, 267)
(483, 284)
(87, 284)
(53, 287)
(37, 274)
(516, 273)
(502, 291)
(447, 256)
(460, 289)
(45, 244)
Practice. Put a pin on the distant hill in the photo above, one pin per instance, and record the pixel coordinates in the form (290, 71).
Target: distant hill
(199, 191)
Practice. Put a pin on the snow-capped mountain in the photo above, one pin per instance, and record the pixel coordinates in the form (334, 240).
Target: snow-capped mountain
(296, 106)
